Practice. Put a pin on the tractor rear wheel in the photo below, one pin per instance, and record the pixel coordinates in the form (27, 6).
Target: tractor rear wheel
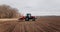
(26, 19)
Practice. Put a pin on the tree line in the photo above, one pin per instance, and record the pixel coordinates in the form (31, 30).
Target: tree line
(7, 11)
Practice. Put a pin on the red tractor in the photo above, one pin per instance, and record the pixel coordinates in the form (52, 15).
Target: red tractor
(27, 17)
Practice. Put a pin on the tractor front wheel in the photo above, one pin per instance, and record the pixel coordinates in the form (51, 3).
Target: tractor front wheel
(33, 19)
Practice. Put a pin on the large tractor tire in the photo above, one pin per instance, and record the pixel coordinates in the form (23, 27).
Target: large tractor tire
(26, 19)
(33, 19)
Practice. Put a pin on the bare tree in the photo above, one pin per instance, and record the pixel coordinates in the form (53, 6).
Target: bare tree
(8, 12)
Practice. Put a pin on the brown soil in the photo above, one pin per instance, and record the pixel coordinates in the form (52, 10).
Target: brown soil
(42, 24)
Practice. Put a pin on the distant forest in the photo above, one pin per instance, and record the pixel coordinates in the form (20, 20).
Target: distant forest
(7, 11)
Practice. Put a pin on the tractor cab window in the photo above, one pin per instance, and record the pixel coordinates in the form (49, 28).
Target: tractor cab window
(29, 15)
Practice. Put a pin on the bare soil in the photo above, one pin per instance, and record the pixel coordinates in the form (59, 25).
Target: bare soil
(42, 24)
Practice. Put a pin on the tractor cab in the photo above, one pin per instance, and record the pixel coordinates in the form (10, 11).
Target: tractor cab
(28, 15)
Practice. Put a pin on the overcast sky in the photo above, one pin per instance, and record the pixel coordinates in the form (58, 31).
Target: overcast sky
(35, 7)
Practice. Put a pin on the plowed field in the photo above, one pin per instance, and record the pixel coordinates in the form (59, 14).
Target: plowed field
(42, 24)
